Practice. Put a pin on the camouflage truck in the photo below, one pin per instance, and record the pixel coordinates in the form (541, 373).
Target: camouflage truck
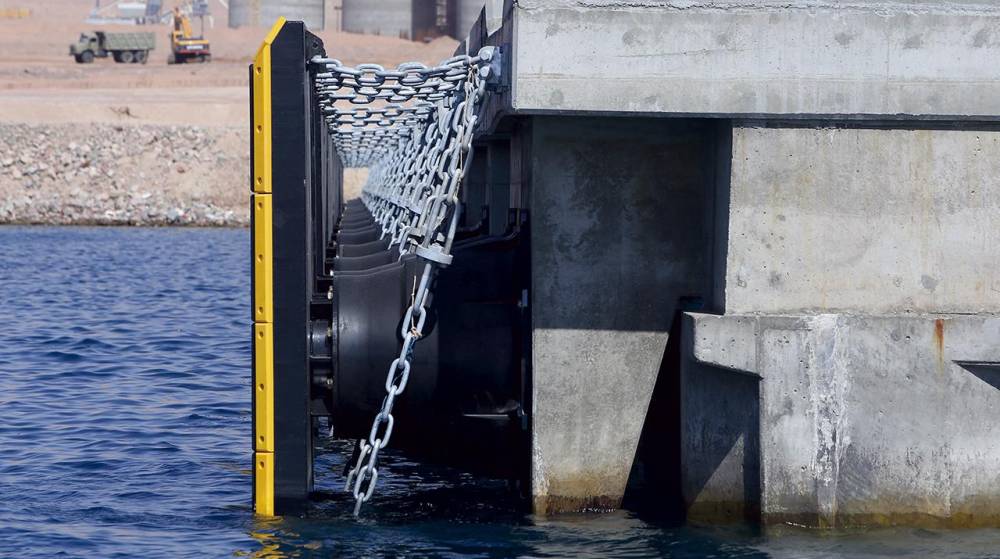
(123, 47)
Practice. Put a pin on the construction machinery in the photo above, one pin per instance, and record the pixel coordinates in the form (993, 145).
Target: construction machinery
(185, 46)
(123, 47)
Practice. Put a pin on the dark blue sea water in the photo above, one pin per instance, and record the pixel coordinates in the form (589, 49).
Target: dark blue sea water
(125, 432)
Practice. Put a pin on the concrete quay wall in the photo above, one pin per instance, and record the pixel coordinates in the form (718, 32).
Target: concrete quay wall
(851, 371)
(819, 181)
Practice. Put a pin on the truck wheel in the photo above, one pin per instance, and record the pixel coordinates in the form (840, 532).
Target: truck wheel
(141, 56)
(126, 56)
(87, 57)
(78, 59)
(117, 57)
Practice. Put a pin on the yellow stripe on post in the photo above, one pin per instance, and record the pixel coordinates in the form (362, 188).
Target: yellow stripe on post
(263, 455)
(263, 280)
(263, 255)
(263, 483)
(262, 112)
(263, 386)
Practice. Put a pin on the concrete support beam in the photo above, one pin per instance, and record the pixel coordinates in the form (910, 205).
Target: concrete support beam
(861, 420)
(620, 216)
(800, 58)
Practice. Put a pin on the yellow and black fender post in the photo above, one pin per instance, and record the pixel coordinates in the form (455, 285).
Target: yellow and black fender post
(296, 194)
(329, 292)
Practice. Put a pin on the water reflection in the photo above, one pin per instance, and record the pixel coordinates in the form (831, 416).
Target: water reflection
(618, 534)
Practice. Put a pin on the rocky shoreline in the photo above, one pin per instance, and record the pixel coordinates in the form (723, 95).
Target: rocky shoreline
(123, 174)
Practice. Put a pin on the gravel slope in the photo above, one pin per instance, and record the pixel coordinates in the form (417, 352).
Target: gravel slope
(152, 144)
(112, 174)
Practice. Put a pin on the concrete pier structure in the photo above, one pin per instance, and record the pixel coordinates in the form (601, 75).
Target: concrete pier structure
(764, 247)
(859, 266)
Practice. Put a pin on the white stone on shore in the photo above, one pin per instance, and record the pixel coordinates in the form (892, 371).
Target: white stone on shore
(65, 174)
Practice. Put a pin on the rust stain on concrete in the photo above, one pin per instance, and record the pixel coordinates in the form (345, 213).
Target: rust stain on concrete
(939, 341)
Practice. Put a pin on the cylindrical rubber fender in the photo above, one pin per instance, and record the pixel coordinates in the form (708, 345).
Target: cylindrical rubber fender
(354, 223)
(362, 249)
(366, 262)
(359, 228)
(361, 236)
(366, 339)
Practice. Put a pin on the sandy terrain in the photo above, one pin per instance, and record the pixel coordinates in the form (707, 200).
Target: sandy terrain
(35, 65)
(41, 85)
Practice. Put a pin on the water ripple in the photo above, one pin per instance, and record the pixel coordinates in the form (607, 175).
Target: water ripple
(124, 387)
(123, 375)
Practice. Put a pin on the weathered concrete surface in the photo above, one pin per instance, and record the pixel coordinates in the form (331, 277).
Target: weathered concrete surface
(864, 220)
(883, 412)
(808, 58)
(620, 215)
(862, 419)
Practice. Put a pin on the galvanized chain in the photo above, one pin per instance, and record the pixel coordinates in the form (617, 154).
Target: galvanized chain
(413, 128)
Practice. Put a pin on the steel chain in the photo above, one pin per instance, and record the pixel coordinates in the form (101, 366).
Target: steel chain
(413, 128)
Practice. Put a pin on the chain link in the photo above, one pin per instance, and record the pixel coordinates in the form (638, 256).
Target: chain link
(413, 128)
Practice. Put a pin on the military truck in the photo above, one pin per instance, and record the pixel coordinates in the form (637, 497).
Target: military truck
(123, 47)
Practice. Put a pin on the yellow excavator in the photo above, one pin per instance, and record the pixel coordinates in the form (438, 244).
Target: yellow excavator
(184, 45)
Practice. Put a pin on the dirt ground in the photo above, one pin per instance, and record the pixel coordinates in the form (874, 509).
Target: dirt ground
(40, 82)
(41, 85)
